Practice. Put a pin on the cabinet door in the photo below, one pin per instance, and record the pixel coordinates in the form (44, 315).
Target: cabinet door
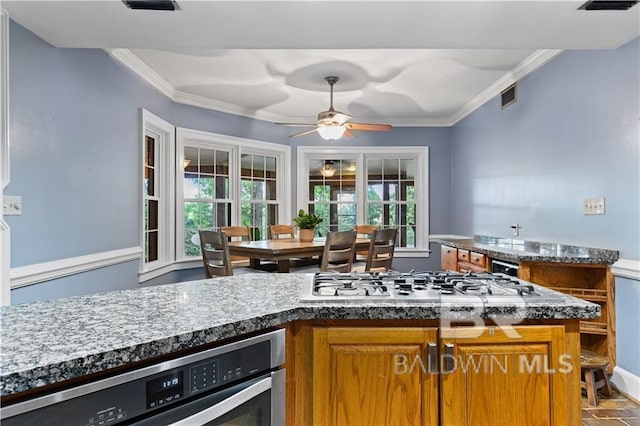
(367, 376)
(448, 258)
(501, 379)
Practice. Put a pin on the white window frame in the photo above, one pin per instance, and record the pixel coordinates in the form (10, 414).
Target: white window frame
(5, 231)
(237, 147)
(164, 134)
(421, 155)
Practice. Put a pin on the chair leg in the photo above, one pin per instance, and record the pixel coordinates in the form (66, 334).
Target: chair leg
(592, 396)
(606, 388)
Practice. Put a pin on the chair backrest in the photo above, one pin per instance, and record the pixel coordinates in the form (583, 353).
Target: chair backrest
(365, 231)
(215, 253)
(339, 250)
(381, 249)
(237, 233)
(279, 232)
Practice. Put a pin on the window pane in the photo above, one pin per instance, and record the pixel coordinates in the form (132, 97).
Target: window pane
(320, 193)
(245, 165)
(271, 186)
(390, 170)
(375, 191)
(149, 181)
(191, 215)
(374, 169)
(374, 214)
(390, 191)
(150, 148)
(190, 248)
(153, 214)
(207, 160)
(258, 166)
(190, 163)
(190, 185)
(407, 192)
(151, 246)
(222, 163)
(408, 169)
(259, 192)
(271, 168)
(206, 186)
(223, 214)
(245, 189)
(206, 215)
(222, 187)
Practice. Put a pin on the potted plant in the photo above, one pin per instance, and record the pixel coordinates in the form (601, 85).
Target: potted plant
(307, 224)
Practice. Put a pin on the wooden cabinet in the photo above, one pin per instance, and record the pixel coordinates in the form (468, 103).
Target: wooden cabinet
(491, 377)
(448, 258)
(452, 259)
(594, 283)
(367, 376)
(409, 372)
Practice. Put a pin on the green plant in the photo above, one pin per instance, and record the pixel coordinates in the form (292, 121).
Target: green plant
(307, 221)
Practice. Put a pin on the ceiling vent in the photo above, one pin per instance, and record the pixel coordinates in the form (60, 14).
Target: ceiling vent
(508, 96)
(608, 5)
(151, 4)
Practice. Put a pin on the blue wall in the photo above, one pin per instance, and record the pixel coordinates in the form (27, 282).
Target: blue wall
(75, 156)
(572, 134)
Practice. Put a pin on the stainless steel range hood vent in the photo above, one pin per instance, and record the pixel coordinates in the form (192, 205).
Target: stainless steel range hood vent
(608, 5)
(151, 4)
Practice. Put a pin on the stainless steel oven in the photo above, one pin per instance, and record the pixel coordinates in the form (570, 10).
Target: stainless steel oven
(238, 383)
(504, 267)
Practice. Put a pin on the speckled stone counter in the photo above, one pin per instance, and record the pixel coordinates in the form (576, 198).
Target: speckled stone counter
(532, 251)
(50, 342)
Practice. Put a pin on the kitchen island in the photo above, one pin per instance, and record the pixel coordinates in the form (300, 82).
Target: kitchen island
(49, 344)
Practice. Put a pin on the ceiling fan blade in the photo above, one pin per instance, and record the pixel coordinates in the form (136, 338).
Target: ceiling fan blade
(368, 127)
(349, 134)
(306, 132)
(297, 124)
(340, 118)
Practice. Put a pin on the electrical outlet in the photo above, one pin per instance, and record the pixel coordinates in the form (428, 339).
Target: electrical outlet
(593, 206)
(12, 205)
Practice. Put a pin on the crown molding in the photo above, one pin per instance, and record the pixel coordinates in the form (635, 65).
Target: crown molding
(135, 64)
(526, 67)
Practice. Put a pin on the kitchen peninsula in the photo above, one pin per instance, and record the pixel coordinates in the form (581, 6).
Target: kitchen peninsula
(583, 272)
(49, 345)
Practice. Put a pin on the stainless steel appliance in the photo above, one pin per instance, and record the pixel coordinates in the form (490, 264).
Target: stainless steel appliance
(238, 383)
(503, 267)
(440, 286)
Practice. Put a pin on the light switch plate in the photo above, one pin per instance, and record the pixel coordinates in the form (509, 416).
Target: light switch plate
(12, 205)
(593, 206)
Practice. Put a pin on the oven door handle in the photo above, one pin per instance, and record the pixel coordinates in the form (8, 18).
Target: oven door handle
(223, 407)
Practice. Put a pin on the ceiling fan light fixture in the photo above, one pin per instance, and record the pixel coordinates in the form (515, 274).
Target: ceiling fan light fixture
(332, 132)
(327, 170)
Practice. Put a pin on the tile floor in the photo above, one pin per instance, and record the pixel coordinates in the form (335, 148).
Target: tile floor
(615, 411)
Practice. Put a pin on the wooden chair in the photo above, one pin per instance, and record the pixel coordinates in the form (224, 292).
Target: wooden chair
(364, 231)
(215, 254)
(381, 249)
(279, 232)
(339, 250)
(237, 233)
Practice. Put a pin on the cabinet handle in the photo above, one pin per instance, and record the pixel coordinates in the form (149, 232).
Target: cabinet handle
(449, 359)
(432, 357)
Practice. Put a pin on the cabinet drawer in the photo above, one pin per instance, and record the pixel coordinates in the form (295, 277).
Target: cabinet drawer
(478, 259)
(463, 255)
(469, 267)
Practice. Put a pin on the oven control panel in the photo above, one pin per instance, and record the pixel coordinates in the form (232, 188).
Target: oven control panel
(135, 395)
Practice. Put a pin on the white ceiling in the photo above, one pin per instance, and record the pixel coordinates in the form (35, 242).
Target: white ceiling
(402, 63)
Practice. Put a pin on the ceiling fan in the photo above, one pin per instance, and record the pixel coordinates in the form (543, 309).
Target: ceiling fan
(332, 124)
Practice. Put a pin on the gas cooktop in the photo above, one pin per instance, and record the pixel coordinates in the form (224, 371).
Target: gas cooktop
(439, 286)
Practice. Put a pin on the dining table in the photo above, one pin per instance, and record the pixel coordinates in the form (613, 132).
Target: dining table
(281, 251)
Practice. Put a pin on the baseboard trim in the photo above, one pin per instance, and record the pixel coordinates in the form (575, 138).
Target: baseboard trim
(627, 268)
(47, 271)
(627, 383)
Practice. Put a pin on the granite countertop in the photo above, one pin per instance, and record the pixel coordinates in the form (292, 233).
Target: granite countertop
(532, 251)
(50, 342)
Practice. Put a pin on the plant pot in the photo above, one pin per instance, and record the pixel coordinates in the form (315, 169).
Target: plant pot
(306, 235)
